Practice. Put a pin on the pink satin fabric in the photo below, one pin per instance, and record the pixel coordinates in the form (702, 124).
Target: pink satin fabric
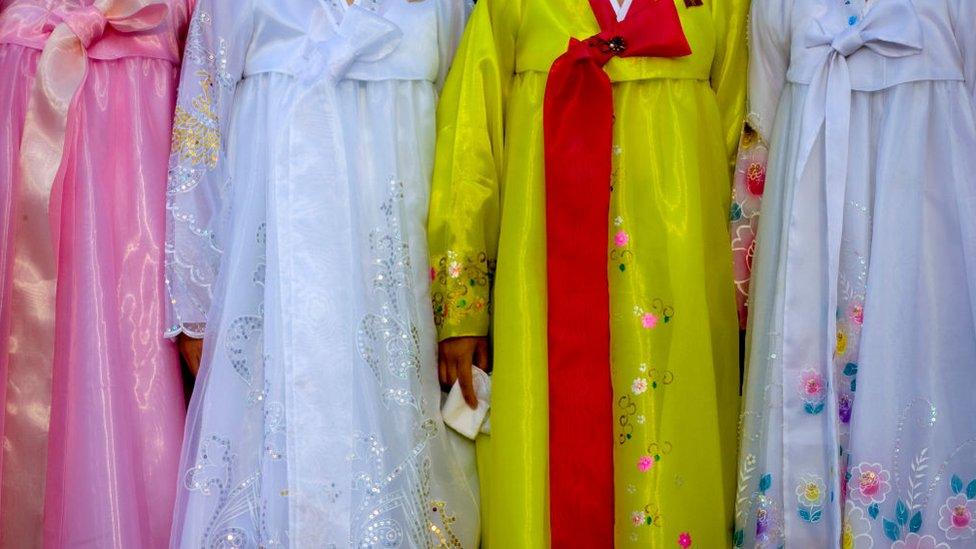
(94, 355)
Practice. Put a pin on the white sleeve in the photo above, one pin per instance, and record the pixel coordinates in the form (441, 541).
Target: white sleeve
(769, 59)
(452, 16)
(769, 51)
(212, 67)
(963, 18)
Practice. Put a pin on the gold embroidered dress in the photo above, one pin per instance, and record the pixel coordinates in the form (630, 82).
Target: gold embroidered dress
(673, 319)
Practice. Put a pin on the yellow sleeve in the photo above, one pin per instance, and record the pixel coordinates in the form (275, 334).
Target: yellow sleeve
(730, 69)
(463, 222)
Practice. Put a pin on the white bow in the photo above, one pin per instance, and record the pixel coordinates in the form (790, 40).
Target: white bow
(361, 36)
(890, 28)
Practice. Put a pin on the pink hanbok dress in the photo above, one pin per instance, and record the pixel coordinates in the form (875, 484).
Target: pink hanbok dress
(92, 402)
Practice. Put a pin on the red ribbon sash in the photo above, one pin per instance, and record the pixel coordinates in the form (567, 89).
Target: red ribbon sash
(578, 132)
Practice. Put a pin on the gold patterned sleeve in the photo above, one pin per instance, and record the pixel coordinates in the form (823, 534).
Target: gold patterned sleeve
(212, 66)
(464, 211)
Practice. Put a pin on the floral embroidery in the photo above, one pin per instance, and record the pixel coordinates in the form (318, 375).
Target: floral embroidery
(957, 518)
(841, 343)
(461, 285)
(649, 321)
(648, 516)
(743, 253)
(645, 463)
(755, 173)
(857, 529)
(768, 517)
(914, 541)
(845, 406)
(659, 312)
(639, 386)
(767, 524)
(196, 135)
(620, 254)
(637, 518)
(810, 495)
(621, 239)
(749, 184)
(857, 314)
(813, 391)
(870, 483)
(684, 540)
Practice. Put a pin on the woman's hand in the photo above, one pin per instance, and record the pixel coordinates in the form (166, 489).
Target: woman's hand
(191, 349)
(455, 357)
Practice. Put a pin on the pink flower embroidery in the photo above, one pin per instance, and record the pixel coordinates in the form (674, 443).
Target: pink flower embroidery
(756, 177)
(813, 391)
(857, 314)
(869, 483)
(645, 463)
(812, 386)
(957, 518)
(649, 321)
(637, 518)
(639, 386)
(684, 540)
(454, 269)
(621, 239)
(433, 274)
(750, 179)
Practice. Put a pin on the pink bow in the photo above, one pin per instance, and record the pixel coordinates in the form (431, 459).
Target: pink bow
(61, 71)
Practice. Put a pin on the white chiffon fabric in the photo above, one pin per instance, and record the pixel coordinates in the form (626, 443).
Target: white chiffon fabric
(298, 247)
(858, 428)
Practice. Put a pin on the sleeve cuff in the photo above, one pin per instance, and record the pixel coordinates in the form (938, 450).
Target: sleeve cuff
(461, 293)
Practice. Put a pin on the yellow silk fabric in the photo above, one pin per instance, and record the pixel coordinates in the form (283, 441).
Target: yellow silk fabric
(674, 328)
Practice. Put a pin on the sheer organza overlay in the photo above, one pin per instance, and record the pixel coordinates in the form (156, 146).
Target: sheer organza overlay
(857, 423)
(298, 195)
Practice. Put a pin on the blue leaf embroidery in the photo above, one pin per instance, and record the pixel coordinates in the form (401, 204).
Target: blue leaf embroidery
(765, 482)
(873, 510)
(971, 490)
(916, 523)
(901, 513)
(956, 484)
(850, 369)
(891, 530)
(813, 409)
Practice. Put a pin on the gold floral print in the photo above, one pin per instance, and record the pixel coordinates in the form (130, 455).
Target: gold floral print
(196, 135)
(461, 286)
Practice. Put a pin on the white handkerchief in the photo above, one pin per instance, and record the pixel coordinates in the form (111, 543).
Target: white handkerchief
(459, 416)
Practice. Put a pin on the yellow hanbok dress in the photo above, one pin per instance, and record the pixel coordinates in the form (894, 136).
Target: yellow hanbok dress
(674, 330)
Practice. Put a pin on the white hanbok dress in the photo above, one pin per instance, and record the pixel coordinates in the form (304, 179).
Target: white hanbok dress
(302, 154)
(858, 427)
